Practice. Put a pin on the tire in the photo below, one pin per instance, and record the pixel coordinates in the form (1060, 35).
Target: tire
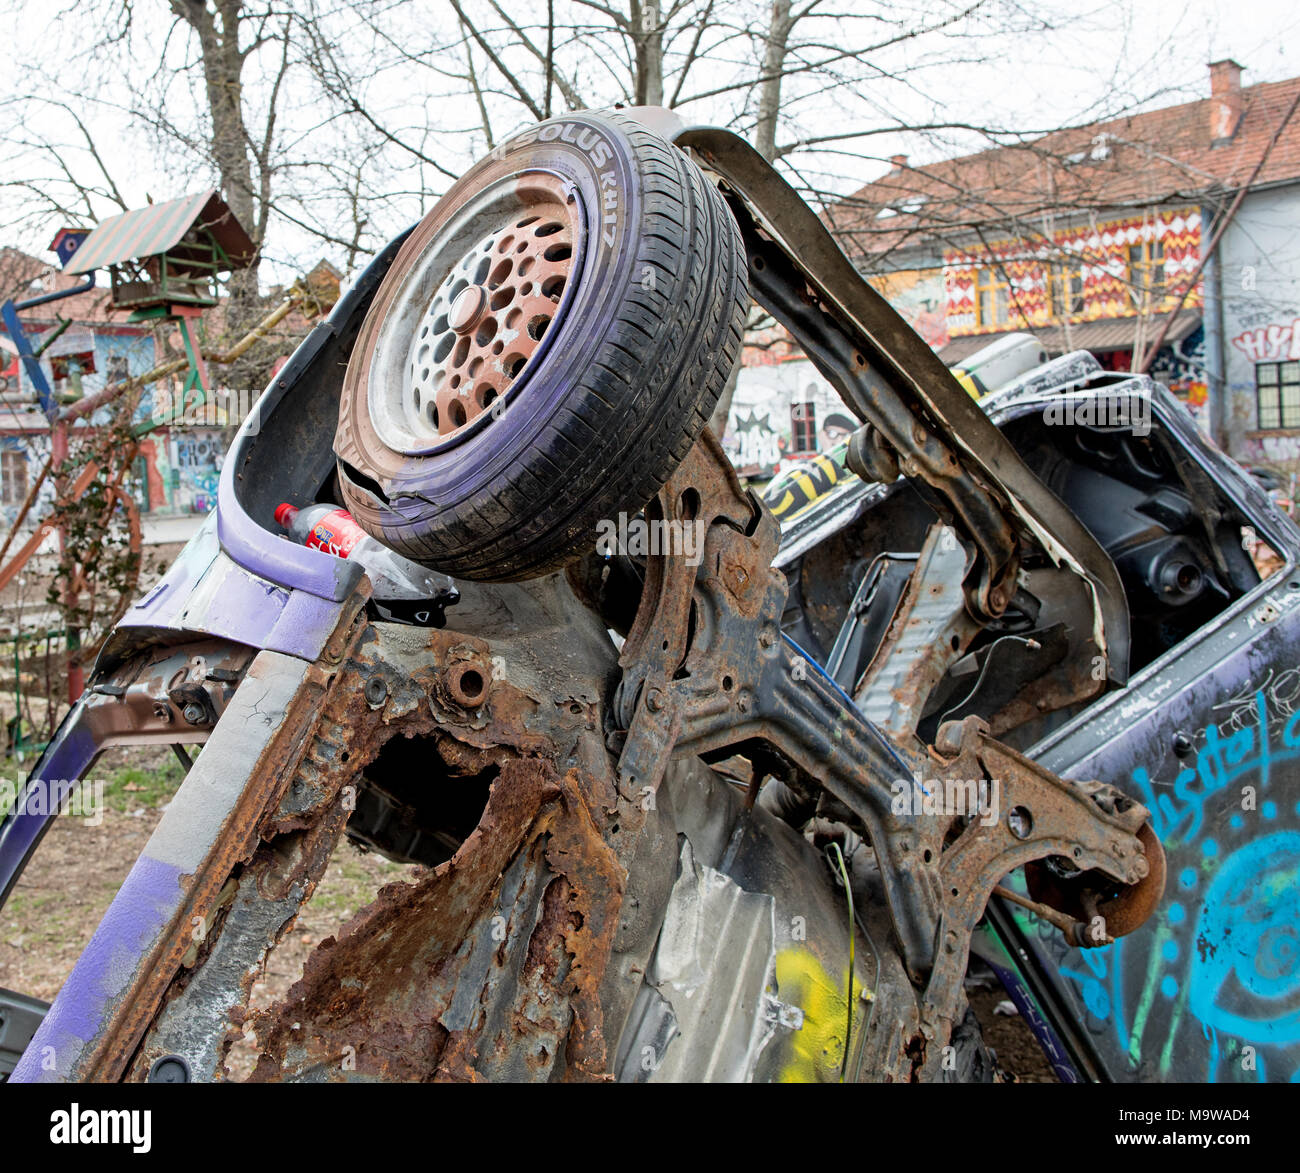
(507, 478)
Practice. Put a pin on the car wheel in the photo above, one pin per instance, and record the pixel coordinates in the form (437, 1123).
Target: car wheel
(546, 348)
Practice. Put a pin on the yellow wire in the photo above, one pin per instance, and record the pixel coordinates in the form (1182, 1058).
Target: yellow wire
(848, 892)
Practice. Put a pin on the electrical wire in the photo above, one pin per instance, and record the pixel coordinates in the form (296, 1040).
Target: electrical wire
(838, 863)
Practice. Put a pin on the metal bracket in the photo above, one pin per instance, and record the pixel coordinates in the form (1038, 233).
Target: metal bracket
(707, 671)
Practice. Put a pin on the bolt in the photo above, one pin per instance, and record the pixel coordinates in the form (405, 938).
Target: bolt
(654, 700)
(1141, 866)
(193, 713)
(948, 739)
(1182, 744)
(376, 690)
(766, 638)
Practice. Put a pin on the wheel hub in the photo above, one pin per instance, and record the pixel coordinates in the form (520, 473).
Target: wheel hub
(467, 309)
(472, 343)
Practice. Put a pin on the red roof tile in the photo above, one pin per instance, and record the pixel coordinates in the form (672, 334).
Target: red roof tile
(1152, 158)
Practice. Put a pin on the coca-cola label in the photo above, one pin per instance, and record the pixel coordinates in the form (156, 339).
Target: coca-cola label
(335, 533)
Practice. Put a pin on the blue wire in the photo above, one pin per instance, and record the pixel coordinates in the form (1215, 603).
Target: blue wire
(881, 740)
(826, 676)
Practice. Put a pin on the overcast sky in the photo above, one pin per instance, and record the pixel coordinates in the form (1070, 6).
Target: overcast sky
(1177, 38)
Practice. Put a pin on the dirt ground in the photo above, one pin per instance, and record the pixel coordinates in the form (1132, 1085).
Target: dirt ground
(1018, 1053)
(71, 880)
(48, 919)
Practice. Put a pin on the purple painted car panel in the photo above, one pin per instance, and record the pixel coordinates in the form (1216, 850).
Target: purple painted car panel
(147, 905)
(144, 905)
(207, 592)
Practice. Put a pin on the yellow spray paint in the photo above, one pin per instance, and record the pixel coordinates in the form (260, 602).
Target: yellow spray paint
(818, 1049)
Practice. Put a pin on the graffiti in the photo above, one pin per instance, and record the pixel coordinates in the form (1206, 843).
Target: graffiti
(1216, 973)
(1276, 342)
(835, 428)
(1271, 449)
(197, 470)
(770, 403)
(10, 374)
(817, 1048)
(1248, 939)
(1181, 367)
(754, 442)
(1248, 312)
(920, 299)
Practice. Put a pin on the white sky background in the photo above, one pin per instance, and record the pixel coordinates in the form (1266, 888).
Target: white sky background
(1105, 56)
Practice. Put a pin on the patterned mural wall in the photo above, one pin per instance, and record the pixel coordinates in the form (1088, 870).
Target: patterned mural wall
(1102, 254)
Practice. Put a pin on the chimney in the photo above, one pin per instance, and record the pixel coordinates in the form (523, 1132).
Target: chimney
(899, 162)
(1225, 100)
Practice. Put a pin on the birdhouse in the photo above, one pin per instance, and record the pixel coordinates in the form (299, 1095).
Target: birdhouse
(66, 242)
(167, 256)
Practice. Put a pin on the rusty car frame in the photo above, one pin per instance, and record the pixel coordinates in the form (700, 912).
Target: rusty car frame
(664, 805)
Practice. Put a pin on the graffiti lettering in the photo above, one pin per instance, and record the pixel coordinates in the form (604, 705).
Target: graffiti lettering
(1275, 342)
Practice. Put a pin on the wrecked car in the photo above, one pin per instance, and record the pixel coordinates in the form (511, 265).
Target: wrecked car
(735, 802)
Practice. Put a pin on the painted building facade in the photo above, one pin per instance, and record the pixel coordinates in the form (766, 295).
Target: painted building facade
(1103, 238)
(1123, 267)
(1259, 279)
(178, 467)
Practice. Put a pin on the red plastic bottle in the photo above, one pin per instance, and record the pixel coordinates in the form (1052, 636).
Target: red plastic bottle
(323, 527)
(335, 531)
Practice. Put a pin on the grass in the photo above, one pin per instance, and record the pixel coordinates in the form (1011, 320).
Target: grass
(127, 786)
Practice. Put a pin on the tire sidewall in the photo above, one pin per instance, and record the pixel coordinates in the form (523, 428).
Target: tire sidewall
(594, 156)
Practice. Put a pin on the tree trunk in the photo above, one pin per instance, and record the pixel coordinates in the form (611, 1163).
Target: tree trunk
(648, 37)
(223, 66)
(769, 111)
(718, 421)
(769, 87)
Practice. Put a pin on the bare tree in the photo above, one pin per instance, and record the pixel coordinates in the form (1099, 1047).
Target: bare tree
(330, 126)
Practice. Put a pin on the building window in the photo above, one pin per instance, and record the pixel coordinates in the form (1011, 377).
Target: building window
(1277, 390)
(803, 427)
(13, 477)
(1066, 291)
(1146, 270)
(991, 298)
